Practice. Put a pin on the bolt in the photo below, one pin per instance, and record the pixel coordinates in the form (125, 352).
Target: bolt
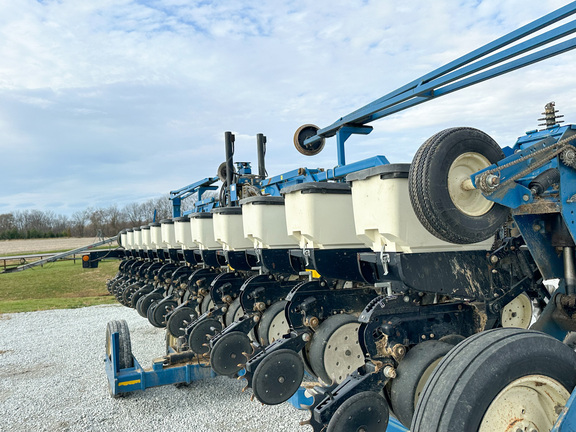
(313, 322)
(306, 337)
(406, 299)
(389, 372)
(423, 337)
(260, 306)
(256, 318)
(224, 309)
(525, 197)
(493, 259)
(536, 227)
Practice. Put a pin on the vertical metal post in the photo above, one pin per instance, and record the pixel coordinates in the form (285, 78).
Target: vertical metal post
(261, 148)
(229, 144)
(341, 138)
(176, 203)
(569, 270)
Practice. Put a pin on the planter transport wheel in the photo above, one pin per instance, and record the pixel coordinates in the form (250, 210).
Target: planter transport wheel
(273, 324)
(504, 379)
(229, 354)
(335, 349)
(411, 376)
(201, 333)
(441, 191)
(125, 359)
(179, 320)
(304, 132)
(366, 411)
(278, 377)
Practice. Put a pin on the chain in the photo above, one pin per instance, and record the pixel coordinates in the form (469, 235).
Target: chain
(549, 153)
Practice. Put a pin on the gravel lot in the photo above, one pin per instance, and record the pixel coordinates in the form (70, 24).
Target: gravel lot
(52, 379)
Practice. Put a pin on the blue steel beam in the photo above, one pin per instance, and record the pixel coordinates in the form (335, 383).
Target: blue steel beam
(426, 87)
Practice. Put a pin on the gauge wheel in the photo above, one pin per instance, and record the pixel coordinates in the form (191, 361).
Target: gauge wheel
(234, 312)
(500, 379)
(273, 324)
(441, 193)
(411, 375)
(335, 351)
(207, 304)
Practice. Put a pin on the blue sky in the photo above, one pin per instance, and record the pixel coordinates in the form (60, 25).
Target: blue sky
(119, 101)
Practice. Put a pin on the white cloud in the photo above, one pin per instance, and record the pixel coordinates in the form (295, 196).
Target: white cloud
(120, 100)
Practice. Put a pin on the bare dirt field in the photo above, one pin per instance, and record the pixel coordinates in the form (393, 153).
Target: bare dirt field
(15, 247)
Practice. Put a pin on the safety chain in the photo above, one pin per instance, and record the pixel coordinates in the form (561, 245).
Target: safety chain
(549, 152)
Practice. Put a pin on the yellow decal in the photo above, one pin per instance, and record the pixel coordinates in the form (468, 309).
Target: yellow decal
(127, 383)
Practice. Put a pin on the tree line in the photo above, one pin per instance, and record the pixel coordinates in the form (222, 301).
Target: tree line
(91, 222)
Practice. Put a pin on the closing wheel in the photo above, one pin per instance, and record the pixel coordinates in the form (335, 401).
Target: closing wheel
(146, 289)
(335, 351)
(125, 359)
(304, 132)
(234, 312)
(158, 314)
(229, 354)
(517, 313)
(278, 377)
(366, 412)
(411, 376)
(146, 301)
(273, 324)
(201, 333)
(505, 379)
(179, 320)
(442, 195)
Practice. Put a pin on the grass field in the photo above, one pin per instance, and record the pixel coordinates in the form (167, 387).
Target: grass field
(59, 285)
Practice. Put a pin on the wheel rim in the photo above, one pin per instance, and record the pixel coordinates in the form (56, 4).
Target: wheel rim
(518, 313)
(468, 200)
(528, 403)
(343, 354)
(424, 379)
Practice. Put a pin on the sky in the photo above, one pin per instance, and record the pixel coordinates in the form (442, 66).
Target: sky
(112, 102)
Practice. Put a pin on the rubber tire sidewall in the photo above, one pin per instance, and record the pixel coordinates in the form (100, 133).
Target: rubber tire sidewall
(469, 378)
(428, 186)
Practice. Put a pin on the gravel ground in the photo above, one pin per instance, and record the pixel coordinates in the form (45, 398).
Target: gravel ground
(52, 378)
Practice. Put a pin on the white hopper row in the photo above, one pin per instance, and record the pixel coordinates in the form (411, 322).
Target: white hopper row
(384, 217)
